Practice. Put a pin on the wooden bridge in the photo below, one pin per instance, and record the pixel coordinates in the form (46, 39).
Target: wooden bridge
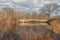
(32, 22)
(29, 20)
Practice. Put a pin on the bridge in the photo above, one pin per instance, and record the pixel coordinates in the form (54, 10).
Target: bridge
(32, 22)
(29, 20)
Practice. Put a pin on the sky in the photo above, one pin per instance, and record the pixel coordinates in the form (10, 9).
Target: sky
(27, 5)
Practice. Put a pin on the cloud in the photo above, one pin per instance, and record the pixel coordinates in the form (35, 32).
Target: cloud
(20, 1)
(28, 5)
(17, 0)
(32, 5)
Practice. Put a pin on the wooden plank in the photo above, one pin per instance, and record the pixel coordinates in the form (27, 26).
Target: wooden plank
(35, 24)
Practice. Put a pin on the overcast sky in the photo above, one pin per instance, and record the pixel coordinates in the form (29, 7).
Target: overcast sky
(28, 5)
(34, 5)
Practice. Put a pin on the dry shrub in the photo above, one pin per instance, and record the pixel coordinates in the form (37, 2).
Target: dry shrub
(35, 33)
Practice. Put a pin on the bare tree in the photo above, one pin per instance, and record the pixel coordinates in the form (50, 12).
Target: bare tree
(49, 8)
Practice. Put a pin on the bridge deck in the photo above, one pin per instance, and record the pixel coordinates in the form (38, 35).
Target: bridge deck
(35, 24)
(32, 22)
(26, 20)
